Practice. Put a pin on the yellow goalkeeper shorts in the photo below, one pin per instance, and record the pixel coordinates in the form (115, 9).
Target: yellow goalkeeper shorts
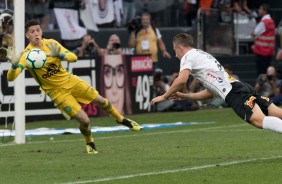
(67, 100)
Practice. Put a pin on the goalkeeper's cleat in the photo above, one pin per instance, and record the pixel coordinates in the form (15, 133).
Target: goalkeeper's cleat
(91, 148)
(130, 124)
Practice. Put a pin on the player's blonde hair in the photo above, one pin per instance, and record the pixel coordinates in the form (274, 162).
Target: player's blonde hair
(183, 39)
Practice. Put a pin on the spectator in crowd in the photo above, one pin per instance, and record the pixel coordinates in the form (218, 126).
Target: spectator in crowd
(113, 46)
(279, 54)
(205, 5)
(279, 31)
(147, 39)
(264, 35)
(8, 40)
(160, 83)
(226, 8)
(129, 11)
(189, 8)
(38, 9)
(6, 32)
(269, 85)
(160, 87)
(4, 4)
(88, 48)
(118, 12)
(241, 6)
(7, 28)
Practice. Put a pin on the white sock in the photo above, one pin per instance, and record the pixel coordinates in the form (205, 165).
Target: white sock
(272, 123)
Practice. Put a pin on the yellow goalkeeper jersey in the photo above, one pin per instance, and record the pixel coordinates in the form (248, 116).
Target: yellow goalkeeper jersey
(53, 75)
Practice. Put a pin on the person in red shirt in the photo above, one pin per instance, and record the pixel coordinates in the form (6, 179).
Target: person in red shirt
(264, 35)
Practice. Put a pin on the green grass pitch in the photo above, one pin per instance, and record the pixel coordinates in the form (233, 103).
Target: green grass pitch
(226, 152)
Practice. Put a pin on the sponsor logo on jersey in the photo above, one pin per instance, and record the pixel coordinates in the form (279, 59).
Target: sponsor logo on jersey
(51, 70)
(250, 102)
(219, 79)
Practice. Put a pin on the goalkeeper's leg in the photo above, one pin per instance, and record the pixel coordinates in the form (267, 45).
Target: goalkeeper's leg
(85, 130)
(104, 104)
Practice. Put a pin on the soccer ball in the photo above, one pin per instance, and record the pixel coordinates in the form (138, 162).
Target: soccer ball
(35, 59)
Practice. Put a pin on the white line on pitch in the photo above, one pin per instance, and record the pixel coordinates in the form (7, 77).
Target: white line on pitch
(174, 170)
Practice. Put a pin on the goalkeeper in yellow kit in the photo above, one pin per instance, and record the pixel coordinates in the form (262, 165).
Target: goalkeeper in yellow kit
(65, 89)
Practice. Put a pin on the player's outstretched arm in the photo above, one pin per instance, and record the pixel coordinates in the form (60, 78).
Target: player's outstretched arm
(58, 51)
(177, 84)
(70, 57)
(14, 59)
(180, 96)
(202, 95)
(13, 73)
(158, 99)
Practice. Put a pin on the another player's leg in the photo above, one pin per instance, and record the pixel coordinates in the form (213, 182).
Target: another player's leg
(259, 120)
(85, 130)
(104, 104)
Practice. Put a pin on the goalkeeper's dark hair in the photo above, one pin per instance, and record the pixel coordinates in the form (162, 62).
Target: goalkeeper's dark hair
(30, 23)
(183, 39)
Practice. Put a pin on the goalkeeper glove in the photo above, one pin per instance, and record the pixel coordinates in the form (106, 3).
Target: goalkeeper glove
(55, 51)
(12, 57)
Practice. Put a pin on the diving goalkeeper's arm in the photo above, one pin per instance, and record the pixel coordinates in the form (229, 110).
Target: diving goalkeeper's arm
(14, 59)
(58, 51)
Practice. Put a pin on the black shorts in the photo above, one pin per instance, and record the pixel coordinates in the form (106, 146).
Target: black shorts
(242, 99)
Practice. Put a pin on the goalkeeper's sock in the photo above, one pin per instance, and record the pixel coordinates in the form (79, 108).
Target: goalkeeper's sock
(272, 123)
(110, 109)
(86, 132)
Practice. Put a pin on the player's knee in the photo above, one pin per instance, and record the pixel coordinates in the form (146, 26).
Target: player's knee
(99, 101)
(83, 120)
(82, 117)
(256, 123)
(256, 120)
